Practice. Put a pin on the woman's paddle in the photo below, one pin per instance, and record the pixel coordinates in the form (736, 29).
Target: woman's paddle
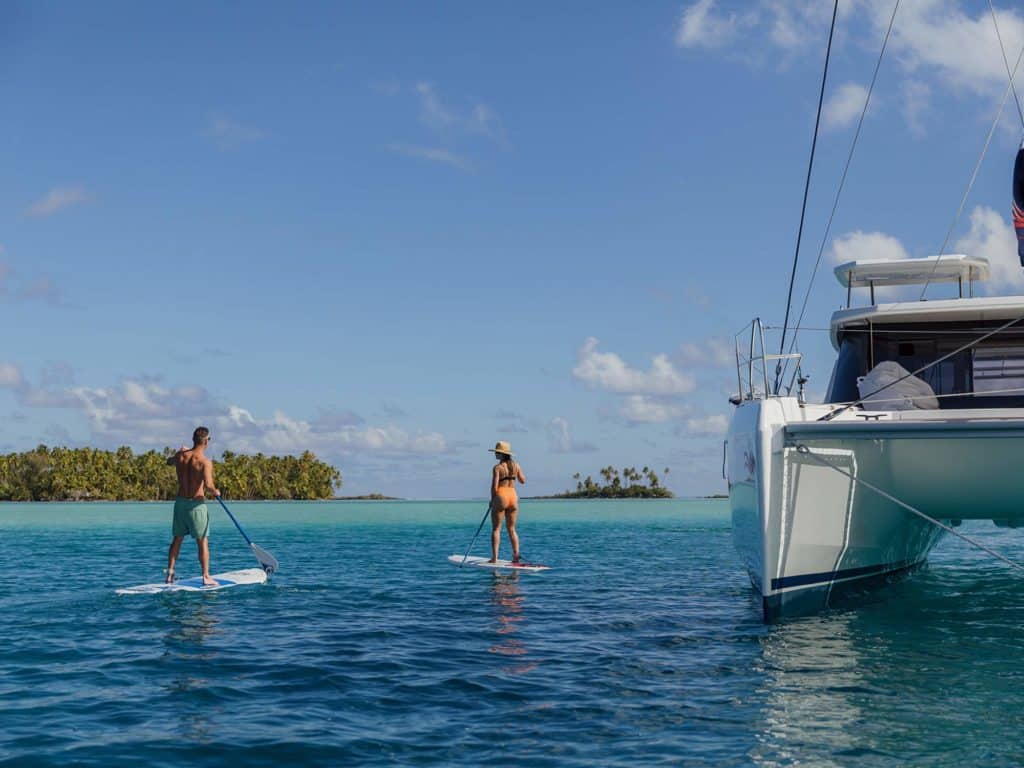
(479, 528)
(267, 560)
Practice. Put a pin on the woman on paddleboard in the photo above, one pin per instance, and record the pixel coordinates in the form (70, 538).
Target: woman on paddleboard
(504, 501)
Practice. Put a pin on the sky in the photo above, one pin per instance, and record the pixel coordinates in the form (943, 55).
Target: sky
(394, 234)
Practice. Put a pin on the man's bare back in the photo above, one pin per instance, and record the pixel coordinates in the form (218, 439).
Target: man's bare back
(195, 473)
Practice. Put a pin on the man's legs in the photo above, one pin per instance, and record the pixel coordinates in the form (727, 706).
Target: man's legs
(203, 545)
(172, 556)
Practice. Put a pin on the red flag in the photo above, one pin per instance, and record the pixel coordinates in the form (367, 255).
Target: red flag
(1018, 202)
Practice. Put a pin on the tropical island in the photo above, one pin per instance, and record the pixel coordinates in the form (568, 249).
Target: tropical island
(626, 483)
(90, 474)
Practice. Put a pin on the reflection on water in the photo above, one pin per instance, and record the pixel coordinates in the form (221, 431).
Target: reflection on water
(924, 672)
(810, 678)
(508, 602)
(191, 623)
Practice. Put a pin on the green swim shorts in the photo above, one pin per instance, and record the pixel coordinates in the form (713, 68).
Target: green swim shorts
(190, 518)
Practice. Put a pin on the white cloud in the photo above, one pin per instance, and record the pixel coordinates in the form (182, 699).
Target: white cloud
(513, 428)
(229, 134)
(959, 48)
(283, 434)
(696, 295)
(859, 245)
(41, 289)
(433, 154)
(15, 284)
(990, 236)
(11, 376)
(935, 43)
(57, 199)
(993, 238)
(845, 105)
(640, 409)
(145, 412)
(560, 438)
(431, 110)
(916, 102)
(714, 352)
(708, 426)
(606, 370)
(787, 24)
(700, 26)
(479, 119)
(928, 34)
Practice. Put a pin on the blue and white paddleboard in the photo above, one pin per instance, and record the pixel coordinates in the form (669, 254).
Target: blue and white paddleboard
(195, 584)
(500, 565)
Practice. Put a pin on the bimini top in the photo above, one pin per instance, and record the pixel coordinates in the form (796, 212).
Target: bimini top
(878, 273)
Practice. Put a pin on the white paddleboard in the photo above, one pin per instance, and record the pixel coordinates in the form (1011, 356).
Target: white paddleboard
(195, 584)
(502, 565)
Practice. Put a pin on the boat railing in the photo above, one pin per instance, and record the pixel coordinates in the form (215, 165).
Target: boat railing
(753, 363)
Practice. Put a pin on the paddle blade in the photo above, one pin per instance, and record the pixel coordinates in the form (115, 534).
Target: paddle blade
(267, 560)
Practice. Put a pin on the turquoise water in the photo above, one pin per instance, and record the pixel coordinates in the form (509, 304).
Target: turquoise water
(643, 646)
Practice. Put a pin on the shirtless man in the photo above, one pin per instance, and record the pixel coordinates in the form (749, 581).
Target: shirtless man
(195, 480)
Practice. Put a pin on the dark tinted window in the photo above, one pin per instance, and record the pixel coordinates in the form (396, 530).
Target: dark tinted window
(850, 364)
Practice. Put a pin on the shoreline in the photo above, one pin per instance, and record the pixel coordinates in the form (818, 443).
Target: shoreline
(393, 499)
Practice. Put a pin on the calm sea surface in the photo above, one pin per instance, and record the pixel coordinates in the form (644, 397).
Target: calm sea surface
(643, 646)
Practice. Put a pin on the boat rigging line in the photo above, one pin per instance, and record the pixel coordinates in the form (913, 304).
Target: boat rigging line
(805, 451)
(1010, 88)
(1006, 62)
(839, 190)
(807, 187)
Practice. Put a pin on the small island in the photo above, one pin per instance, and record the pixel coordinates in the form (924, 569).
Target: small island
(626, 483)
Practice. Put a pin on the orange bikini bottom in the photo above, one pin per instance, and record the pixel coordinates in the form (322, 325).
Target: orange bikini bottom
(505, 498)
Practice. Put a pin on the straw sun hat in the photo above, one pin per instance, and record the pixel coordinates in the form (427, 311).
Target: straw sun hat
(501, 447)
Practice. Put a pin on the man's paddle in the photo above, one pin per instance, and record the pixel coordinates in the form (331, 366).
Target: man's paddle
(267, 560)
(479, 528)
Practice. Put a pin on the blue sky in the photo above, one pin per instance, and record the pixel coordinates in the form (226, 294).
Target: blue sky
(394, 234)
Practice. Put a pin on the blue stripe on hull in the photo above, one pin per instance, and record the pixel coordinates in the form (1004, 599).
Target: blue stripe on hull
(823, 594)
(806, 579)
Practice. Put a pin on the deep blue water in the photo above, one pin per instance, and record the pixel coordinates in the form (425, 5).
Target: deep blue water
(643, 646)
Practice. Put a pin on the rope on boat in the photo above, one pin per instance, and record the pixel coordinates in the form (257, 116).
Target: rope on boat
(805, 451)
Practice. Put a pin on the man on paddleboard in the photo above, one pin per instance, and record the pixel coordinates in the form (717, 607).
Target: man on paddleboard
(195, 480)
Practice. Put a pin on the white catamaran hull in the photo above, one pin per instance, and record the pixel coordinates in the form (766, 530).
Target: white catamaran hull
(808, 533)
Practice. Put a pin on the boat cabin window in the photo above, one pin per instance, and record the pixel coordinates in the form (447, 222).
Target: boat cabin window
(998, 369)
(988, 375)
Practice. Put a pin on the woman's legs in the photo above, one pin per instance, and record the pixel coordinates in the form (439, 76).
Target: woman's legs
(510, 523)
(495, 532)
